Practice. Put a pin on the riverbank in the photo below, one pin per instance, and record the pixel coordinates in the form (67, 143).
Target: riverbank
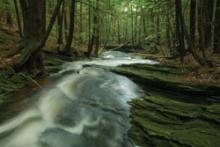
(16, 87)
(175, 112)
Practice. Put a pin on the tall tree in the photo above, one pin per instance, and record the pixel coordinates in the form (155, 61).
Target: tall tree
(18, 18)
(60, 27)
(68, 47)
(35, 33)
(217, 30)
(97, 27)
(94, 40)
(192, 20)
(180, 30)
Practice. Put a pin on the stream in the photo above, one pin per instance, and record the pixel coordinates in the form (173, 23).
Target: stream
(87, 106)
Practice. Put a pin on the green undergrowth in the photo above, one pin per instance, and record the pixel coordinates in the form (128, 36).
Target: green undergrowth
(7, 37)
(10, 82)
(53, 63)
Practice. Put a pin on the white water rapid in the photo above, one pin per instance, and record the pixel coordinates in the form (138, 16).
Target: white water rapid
(86, 108)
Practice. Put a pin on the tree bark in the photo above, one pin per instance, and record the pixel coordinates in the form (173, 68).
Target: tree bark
(81, 22)
(68, 47)
(35, 34)
(180, 30)
(97, 27)
(60, 28)
(193, 20)
(18, 18)
(217, 29)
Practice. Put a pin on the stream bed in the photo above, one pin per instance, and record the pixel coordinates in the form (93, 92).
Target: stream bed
(85, 106)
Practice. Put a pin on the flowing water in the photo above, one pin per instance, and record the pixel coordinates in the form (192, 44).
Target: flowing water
(85, 108)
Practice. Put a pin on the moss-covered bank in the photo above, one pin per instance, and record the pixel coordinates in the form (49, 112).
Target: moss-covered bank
(169, 79)
(159, 121)
(175, 113)
(15, 87)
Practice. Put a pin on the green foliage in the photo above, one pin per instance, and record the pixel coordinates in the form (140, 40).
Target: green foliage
(6, 5)
(10, 82)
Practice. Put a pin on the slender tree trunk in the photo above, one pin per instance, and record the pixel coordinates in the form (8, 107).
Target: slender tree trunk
(18, 18)
(202, 28)
(135, 27)
(217, 29)
(118, 30)
(68, 47)
(168, 30)
(81, 22)
(180, 30)
(60, 28)
(213, 24)
(208, 10)
(193, 20)
(65, 21)
(97, 27)
(91, 37)
(143, 23)
(158, 29)
(132, 26)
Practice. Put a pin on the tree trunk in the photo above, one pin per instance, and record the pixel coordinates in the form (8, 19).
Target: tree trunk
(132, 26)
(68, 47)
(95, 38)
(81, 22)
(193, 20)
(97, 27)
(180, 30)
(202, 26)
(168, 30)
(91, 37)
(190, 37)
(34, 18)
(217, 29)
(209, 6)
(18, 18)
(60, 28)
(35, 34)
(158, 29)
(118, 30)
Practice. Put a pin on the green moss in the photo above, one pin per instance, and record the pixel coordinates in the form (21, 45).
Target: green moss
(166, 78)
(162, 121)
(10, 83)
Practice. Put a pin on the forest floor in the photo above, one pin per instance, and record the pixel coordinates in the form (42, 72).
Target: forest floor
(193, 72)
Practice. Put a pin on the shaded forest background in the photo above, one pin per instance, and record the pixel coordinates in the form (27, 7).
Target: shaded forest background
(185, 31)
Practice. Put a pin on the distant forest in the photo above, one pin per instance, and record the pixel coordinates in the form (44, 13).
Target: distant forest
(175, 28)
